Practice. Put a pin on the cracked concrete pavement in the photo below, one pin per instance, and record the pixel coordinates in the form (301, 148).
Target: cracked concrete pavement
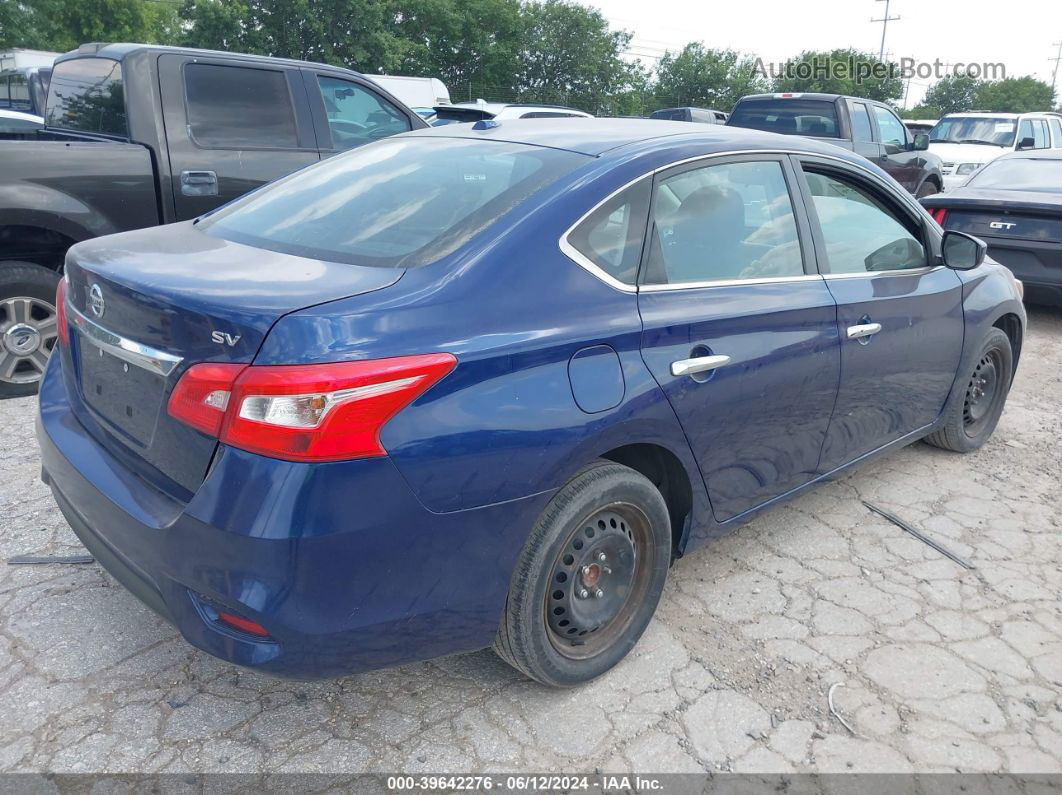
(943, 669)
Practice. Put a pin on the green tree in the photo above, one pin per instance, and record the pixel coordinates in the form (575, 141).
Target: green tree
(462, 42)
(360, 34)
(64, 24)
(842, 71)
(705, 77)
(953, 94)
(1015, 95)
(569, 55)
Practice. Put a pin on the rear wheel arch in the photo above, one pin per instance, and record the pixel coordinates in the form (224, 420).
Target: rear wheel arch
(40, 245)
(666, 472)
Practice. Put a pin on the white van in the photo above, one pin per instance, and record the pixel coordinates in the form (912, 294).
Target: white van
(418, 93)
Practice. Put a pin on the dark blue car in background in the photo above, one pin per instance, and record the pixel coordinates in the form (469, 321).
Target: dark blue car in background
(483, 384)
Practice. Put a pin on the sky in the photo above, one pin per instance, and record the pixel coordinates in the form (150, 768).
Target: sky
(1023, 36)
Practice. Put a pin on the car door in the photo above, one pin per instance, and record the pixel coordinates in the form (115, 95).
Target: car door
(231, 126)
(738, 329)
(904, 165)
(347, 113)
(899, 313)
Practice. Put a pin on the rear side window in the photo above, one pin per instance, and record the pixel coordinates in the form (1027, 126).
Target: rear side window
(235, 107)
(861, 129)
(14, 93)
(611, 236)
(723, 222)
(814, 117)
(1056, 130)
(861, 233)
(86, 95)
(400, 203)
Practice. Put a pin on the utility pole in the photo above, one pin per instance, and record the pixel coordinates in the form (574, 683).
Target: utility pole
(885, 20)
(1056, 59)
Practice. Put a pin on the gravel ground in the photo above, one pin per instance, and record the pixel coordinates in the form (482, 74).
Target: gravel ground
(943, 669)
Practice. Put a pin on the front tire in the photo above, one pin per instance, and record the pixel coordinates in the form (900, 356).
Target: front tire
(28, 328)
(977, 400)
(589, 577)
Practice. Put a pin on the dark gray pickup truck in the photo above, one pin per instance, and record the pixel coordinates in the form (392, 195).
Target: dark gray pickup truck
(138, 135)
(863, 126)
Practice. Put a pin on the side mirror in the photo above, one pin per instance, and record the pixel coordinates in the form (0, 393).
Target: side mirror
(962, 252)
(1027, 143)
(921, 142)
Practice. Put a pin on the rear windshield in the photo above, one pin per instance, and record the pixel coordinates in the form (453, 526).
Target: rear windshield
(813, 117)
(993, 130)
(403, 202)
(1020, 174)
(86, 94)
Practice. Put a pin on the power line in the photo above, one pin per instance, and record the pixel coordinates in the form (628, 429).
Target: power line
(885, 20)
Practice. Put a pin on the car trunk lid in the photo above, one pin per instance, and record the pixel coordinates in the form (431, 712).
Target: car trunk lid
(147, 305)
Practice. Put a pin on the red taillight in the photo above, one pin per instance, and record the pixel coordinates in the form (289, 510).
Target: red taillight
(242, 624)
(939, 215)
(203, 394)
(321, 412)
(60, 312)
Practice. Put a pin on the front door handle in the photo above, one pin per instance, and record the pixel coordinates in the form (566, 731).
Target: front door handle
(199, 183)
(700, 364)
(863, 330)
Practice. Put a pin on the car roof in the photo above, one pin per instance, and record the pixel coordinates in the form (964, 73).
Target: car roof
(17, 114)
(595, 137)
(496, 107)
(120, 50)
(1033, 154)
(799, 95)
(982, 114)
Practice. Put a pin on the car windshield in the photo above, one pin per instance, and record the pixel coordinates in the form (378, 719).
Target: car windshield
(812, 117)
(400, 203)
(990, 130)
(1031, 174)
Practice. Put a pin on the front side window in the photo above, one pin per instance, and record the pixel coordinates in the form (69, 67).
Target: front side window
(1026, 138)
(861, 129)
(1040, 136)
(611, 236)
(356, 115)
(236, 107)
(400, 203)
(86, 95)
(723, 222)
(861, 234)
(893, 133)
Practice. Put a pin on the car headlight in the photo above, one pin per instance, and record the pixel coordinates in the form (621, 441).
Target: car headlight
(967, 168)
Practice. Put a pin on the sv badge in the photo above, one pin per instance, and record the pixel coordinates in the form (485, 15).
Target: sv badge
(224, 338)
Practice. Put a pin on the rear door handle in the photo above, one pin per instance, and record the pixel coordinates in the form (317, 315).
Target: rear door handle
(863, 330)
(700, 364)
(199, 183)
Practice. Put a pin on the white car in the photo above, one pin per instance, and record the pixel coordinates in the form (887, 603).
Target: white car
(500, 111)
(16, 124)
(966, 141)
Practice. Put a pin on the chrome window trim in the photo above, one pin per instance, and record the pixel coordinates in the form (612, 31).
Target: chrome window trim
(660, 288)
(588, 265)
(135, 353)
(895, 272)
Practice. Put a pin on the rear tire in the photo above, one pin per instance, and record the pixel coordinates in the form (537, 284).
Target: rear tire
(927, 188)
(589, 577)
(978, 398)
(27, 325)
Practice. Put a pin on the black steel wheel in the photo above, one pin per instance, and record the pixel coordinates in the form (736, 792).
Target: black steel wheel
(589, 578)
(978, 398)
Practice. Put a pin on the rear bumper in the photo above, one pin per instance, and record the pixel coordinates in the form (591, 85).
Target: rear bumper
(339, 562)
(1037, 265)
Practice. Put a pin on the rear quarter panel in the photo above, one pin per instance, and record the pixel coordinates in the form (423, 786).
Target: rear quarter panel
(79, 189)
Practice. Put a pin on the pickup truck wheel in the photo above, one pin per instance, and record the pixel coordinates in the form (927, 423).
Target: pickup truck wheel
(927, 188)
(28, 328)
(589, 578)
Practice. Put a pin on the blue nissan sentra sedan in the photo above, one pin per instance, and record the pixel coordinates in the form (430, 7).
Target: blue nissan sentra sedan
(482, 385)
